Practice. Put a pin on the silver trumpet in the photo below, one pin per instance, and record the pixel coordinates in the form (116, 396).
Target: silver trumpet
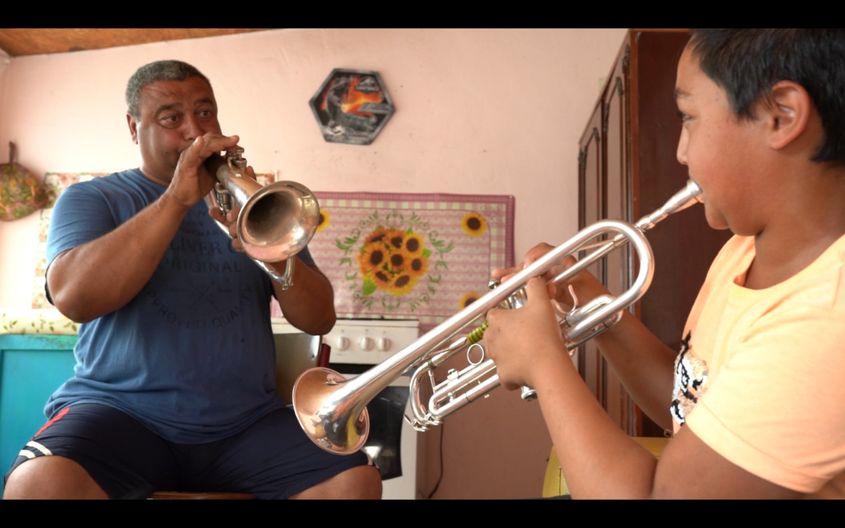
(332, 410)
(274, 222)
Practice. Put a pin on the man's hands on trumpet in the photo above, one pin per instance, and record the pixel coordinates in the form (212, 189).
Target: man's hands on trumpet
(191, 181)
(523, 341)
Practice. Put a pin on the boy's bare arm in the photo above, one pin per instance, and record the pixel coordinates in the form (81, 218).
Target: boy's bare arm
(618, 467)
(644, 365)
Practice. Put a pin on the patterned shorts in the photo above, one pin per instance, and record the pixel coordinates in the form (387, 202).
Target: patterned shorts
(271, 459)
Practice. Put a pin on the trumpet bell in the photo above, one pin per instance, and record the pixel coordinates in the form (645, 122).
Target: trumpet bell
(337, 428)
(274, 222)
(278, 221)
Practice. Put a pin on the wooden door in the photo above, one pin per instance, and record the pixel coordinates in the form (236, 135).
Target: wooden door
(628, 168)
(591, 209)
(618, 271)
(683, 244)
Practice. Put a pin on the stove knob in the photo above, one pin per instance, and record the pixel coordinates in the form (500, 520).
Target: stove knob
(383, 344)
(365, 343)
(342, 343)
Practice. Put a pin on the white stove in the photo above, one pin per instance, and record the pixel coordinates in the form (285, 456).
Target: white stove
(369, 342)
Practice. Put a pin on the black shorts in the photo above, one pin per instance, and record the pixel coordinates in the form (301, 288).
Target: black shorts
(272, 459)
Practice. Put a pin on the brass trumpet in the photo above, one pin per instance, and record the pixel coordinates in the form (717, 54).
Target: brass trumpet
(274, 222)
(332, 410)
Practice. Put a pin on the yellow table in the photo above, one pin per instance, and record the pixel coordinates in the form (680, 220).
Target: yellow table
(554, 484)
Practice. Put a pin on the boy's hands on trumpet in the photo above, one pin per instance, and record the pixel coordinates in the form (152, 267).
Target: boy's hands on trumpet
(524, 341)
(584, 284)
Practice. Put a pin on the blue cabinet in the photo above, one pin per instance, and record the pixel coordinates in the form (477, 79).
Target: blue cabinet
(31, 368)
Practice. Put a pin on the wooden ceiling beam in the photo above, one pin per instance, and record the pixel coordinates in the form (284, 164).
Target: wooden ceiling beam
(20, 42)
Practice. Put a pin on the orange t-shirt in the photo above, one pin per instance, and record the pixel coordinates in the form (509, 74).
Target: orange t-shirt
(760, 377)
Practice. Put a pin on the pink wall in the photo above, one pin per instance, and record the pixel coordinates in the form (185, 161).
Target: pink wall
(478, 111)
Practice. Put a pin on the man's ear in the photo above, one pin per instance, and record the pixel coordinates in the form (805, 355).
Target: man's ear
(133, 127)
(788, 113)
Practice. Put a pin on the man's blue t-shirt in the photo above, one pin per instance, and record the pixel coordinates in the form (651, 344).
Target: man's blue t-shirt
(192, 355)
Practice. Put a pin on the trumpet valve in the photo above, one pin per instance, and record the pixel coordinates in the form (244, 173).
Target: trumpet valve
(527, 393)
(576, 315)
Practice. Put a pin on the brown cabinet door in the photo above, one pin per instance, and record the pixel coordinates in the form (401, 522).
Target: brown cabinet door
(591, 183)
(617, 196)
(683, 245)
(628, 168)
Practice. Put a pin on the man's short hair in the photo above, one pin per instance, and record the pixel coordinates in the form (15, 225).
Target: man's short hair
(164, 70)
(746, 63)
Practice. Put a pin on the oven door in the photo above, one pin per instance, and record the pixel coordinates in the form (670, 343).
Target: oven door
(388, 430)
(296, 352)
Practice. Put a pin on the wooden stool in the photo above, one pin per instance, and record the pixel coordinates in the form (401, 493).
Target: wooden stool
(199, 495)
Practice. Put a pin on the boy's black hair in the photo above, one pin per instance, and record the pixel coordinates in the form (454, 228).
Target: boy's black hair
(746, 63)
(163, 70)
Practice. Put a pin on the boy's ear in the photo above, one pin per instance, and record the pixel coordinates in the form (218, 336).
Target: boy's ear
(133, 127)
(788, 113)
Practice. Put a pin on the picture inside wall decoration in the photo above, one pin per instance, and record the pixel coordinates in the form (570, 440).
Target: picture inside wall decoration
(352, 106)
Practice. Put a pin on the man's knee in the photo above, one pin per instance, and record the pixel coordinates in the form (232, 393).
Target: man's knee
(51, 477)
(360, 482)
(370, 480)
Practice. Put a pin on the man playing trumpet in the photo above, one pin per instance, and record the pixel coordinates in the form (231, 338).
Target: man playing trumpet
(174, 386)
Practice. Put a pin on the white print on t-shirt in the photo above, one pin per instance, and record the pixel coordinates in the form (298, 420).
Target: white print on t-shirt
(690, 382)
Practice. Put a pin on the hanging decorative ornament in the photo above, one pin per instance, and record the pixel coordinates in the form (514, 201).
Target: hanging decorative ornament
(21, 193)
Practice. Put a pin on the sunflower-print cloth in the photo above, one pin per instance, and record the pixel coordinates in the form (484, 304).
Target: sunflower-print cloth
(392, 255)
(44, 321)
(408, 255)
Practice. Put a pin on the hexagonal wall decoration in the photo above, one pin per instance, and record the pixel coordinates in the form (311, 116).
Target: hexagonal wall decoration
(352, 106)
